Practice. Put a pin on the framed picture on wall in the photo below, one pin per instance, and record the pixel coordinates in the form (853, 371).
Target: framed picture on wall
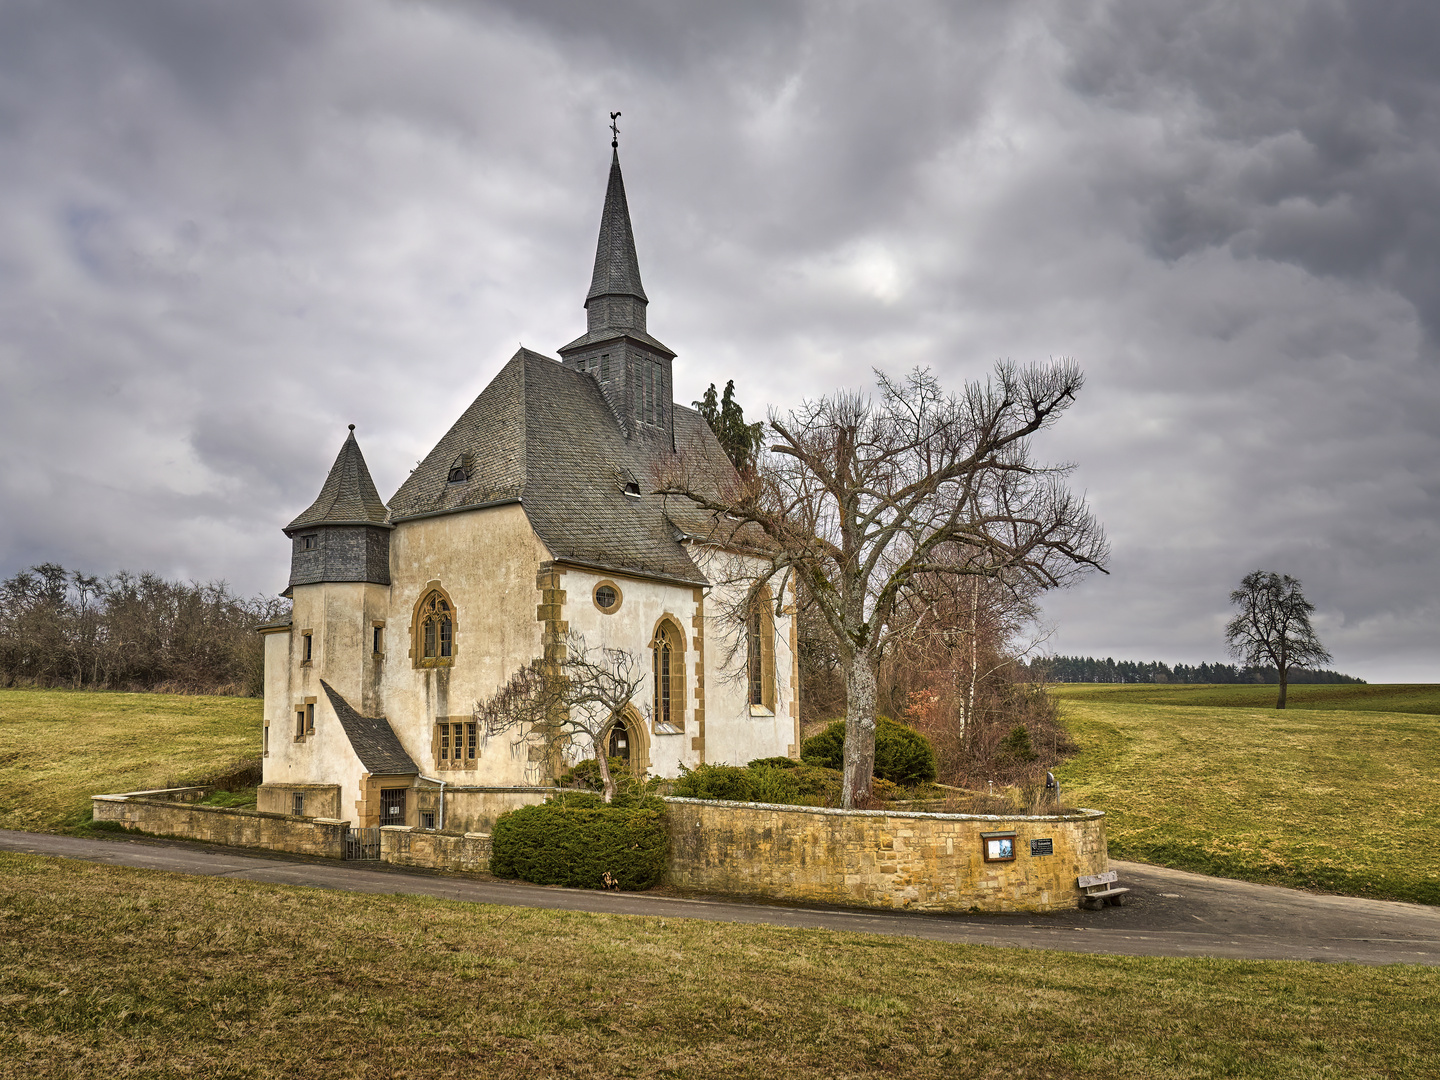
(998, 846)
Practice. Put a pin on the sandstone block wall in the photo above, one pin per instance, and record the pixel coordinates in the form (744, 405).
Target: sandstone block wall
(920, 861)
(404, 846)
(219, 825)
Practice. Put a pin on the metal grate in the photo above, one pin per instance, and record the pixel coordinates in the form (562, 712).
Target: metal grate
(362, 844)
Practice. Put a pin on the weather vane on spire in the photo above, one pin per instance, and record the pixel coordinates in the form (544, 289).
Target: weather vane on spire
(614, 132)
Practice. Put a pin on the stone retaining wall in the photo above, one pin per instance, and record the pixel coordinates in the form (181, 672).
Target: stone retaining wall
(154, 812)
(877, 858)
(405, 846)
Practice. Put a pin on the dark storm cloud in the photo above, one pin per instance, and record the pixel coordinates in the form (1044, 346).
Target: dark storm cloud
(230, 229)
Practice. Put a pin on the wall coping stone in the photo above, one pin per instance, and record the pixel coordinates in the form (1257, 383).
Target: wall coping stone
(397, 828)
(233, 811)
(520, 788)
(1082, 814)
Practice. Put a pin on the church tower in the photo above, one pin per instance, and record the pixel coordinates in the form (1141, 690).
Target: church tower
(632, 368)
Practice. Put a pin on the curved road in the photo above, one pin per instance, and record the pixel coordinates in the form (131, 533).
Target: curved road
(1167, 913)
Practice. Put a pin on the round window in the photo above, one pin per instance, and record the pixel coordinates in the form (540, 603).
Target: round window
(607, 597)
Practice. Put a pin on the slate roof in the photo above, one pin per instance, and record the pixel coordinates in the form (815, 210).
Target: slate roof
(617, 270)
(348, 496)
(543, 434)
(372, 739)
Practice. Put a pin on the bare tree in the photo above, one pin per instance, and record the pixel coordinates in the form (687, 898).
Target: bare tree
(1273, 626)
(571, 702)
(868, 502)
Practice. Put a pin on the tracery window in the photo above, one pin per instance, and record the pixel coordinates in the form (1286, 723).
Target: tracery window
(434, 630)
(668, 658)
(760, 656)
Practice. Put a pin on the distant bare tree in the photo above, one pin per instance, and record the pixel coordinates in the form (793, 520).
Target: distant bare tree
(1273, 626)
(870, 502)
(558, 703)
(130, 631)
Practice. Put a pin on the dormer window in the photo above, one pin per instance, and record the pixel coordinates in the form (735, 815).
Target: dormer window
(632, 489)
(461, 470)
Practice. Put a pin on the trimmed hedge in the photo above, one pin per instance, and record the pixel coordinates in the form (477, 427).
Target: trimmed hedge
(902, 755)
(768, 780)
(576, 840)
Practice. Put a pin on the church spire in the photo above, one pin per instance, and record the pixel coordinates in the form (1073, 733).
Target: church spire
(616, 297)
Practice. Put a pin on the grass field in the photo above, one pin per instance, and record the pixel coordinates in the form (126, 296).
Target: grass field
(59, 747)
(222, 978)
(1331, 796)
(1411, 698)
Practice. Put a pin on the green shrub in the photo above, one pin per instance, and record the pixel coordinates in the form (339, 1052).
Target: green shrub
(902, 755)
(774, 763)
(576, 840)
(765, 780)
(729, 782)
(1017, 745)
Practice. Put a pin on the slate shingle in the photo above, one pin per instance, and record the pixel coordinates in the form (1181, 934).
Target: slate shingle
(372, 739)
(543, 434)
(348, 495)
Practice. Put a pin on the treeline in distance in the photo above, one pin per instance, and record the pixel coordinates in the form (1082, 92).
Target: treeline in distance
(130, 631)
(1087, 669)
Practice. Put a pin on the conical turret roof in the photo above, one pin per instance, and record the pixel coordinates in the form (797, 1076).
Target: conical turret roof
(617, 270)
(348, 497)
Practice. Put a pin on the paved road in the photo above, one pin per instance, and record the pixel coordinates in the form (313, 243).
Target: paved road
(1168, 913)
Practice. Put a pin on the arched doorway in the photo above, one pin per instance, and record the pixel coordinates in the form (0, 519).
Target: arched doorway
(621, 743)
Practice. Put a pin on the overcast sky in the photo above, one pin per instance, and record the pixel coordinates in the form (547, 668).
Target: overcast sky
(229, 229)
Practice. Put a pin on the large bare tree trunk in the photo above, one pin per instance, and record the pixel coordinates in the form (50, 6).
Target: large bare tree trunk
(862, 679)
(1284, 681)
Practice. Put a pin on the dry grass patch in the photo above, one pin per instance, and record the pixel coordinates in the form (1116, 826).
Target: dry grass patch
(125, 973)
(1342, 801)
(59, 747)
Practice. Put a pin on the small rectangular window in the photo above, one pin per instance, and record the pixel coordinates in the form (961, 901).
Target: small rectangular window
(427, 819)
(392, 806)
(378, 640)
(265, 741)
(307, 653)
(310, 543)
(299, 723)
(470, 741)
(444, 742)
(310, 718)
(605, 365)
(297, 803)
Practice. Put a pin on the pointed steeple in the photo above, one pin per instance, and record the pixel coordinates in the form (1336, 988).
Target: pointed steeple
(348, 496)
(632, 368)
(617, 269)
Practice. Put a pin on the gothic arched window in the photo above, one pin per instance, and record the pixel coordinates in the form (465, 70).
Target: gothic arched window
(434, 630)
(668, 658)
(760, 655)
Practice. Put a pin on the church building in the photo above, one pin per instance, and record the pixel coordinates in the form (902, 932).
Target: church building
(532, 523)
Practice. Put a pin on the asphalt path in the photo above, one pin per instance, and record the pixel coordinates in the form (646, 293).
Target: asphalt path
(1167, 913)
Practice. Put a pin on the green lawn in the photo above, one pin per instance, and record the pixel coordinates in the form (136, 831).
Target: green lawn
(1399, 697)
(59, 747)
(223, 978)
(1333, 797)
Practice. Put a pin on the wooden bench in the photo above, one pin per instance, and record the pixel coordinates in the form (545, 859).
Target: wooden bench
(1097, 890)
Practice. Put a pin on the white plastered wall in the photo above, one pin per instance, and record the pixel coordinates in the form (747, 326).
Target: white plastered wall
(736, 732)
(486, 562)
(643, 603)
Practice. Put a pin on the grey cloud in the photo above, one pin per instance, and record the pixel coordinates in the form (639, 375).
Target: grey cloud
(232, 229)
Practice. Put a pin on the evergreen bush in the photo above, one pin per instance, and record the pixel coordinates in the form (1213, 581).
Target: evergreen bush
(577, 840)
(902, 755)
